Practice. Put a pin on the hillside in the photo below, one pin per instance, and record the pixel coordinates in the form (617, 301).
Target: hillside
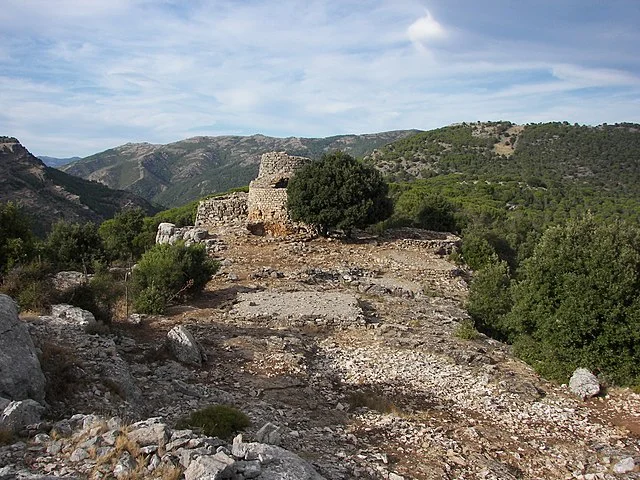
(49, 195)
(606, 157)
(179, 172)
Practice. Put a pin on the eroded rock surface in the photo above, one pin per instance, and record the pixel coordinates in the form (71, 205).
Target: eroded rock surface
(20, 373)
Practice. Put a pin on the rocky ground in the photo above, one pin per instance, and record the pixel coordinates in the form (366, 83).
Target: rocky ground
(352, 350)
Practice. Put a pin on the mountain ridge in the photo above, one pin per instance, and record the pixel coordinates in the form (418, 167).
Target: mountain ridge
(48, 195)
(175, 173)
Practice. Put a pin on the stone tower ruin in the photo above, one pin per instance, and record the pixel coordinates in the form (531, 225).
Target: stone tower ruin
(267, 203)
(264, 209)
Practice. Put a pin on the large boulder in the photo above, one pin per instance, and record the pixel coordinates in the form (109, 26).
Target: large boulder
(18, 415)
(185, 347)
(166, 233)
(280, 464)
(584, 384)
(75, 316)
(20, 374)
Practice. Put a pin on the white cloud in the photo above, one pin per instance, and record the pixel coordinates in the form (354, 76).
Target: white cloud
(425, 30)
(134, 70)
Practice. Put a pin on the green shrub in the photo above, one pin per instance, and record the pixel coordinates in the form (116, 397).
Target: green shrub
(490, 299)
(577, 304)
(220, 421)
(338, 191)
(17, 243)
(31, 286)
(74, 246)
(466, 330)
(170, 272)
(99, 295)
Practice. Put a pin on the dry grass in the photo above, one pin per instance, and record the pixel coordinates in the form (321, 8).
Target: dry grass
(58, 365)
(373, 401)
(6, 437)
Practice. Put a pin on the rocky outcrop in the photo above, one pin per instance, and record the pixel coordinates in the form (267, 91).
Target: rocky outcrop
(89, 443)
(169, 233)
(20, 374)
(185, 347)
(20, 414)
(584, 384)
(74, 316)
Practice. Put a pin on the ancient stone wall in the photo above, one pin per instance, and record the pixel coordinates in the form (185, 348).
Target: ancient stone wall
(279, 164)
(219, 211)
(267, 203)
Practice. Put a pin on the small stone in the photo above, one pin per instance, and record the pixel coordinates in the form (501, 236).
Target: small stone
(625, 465)
(79, 455)
(269, 433)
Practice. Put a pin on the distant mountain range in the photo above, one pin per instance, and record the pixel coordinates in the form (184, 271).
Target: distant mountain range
(176, 173)
(57, 162)
(48, 195)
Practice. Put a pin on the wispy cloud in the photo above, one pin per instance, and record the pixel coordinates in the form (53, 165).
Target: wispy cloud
(79, 76)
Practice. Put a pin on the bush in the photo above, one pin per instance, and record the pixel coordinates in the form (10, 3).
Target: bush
(168, 272)
(17, 243)
(338, 191)
(578, 304)
(466, 330)
(99, 296)
(490, 299)
(31, 286)
(220, 421)
(123, 235)
(74, 246)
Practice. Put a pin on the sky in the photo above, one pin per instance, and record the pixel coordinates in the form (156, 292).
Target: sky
(81, 76)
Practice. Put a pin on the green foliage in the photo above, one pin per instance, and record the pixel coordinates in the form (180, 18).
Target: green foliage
(220, 421)
(122, 234)
(74, 246)
(338, 192)
(577, 304)
(166, 272)
(422, 208)
(17, 243)
(31, 286)
(466, 330)
(490, 299)
(99, 295)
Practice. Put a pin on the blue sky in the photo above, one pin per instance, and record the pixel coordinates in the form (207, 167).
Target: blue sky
(81, 76)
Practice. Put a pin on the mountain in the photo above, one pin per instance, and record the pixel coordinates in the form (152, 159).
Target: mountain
(179, 172)
(57, 162)
(49, 195)
(606, 157)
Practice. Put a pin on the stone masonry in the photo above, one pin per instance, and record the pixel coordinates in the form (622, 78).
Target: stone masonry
(219, 211)
(267, 203)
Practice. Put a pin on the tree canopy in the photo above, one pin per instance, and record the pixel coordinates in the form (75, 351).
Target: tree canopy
(340, 192)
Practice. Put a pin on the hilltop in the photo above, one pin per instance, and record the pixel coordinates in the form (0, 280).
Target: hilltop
(49, 195)
(606, 156)
(180, 172)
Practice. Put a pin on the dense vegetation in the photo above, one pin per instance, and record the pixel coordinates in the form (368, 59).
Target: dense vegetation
(166, 273)
(338, 191)
(550, 232)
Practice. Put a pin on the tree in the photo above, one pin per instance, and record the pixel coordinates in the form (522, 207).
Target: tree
(338, 191)
(74, 246)
(17, 243)
(577, 304)
(122, 234)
